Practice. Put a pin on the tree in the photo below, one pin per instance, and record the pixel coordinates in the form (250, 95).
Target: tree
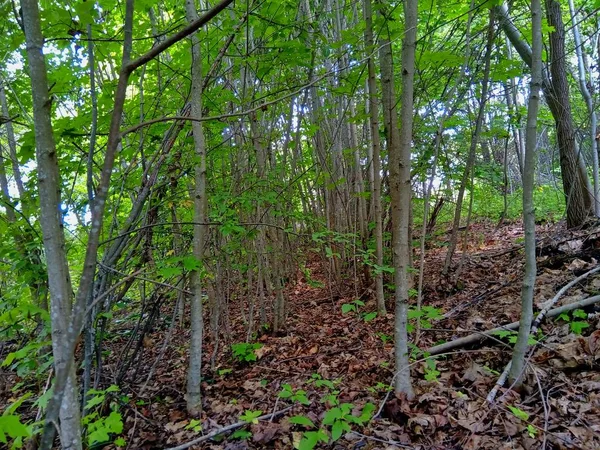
(401, 184)
(522, 344)
(376, 155)
(49, 184)
(556, 92)
(194, 376)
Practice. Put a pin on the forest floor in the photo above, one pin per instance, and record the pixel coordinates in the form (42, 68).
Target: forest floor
(328, 358)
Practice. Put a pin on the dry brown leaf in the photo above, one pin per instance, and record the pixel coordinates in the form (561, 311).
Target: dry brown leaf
(593, 344)
(263, 433)
(175, 426)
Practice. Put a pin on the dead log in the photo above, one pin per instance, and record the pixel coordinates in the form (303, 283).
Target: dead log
(478, 337)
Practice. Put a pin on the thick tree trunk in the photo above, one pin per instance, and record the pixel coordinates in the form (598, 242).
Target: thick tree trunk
(556, 92)
(578, 198)
(587, 96)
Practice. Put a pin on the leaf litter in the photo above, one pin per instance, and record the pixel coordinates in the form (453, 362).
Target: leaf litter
(330, 358)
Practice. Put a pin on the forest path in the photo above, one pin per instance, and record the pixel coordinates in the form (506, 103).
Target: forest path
(324, 357)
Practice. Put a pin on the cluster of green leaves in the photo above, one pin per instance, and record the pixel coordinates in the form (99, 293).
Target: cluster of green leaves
(33, 359)
(335, 422)
(524, 416)
(12, 428)
(101, 428)
(511, 337)
(298, 395)
(355, 306)
(575, 324)
(424, 316)
(245, 351)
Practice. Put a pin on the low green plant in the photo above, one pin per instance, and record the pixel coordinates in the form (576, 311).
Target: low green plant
(194, 425)
(576, 326)
(511, 336)
(522, 415)
(385, 338)
(289, 393)
(27, 361)
(379, 388)
(251, 416)
(100, 428)
(309, 280)
(335, 422)
(355, 306)
(321, 382)
(424, 316)
(431, 372)
(11, 427)
(245, 351)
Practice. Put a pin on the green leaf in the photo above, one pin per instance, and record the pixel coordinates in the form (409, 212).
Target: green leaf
(578, 327)
(194, 425)
(251, 416)
(120, 442)
(241, 434)
(580, 314)
(367, 412)
(302, 420)
(114, 423)
(348, 307)
(370, 316)
(338, 428)
(312, 438)
(11, 425)
(98, 436)
(332, 415)
(519, 413)
(94, 401)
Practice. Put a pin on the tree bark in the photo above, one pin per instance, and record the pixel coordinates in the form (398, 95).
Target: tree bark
(556, 91)
(194, 378)
(402, 279)
(49, 185)
(587, 96)
(399, 146)
(376, 160)
(521, 346)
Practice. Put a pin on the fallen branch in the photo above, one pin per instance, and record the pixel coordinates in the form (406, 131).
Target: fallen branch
(228, 428)
(477, 337)
(538, 320)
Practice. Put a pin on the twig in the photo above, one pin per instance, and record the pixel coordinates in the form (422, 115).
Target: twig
(39, 413)
(373, 438)
(226, 429)
(546, 408)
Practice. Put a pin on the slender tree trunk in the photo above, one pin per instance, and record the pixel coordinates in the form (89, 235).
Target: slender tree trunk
(399, 149)
(49, 185)
(194, 375)
(12, 144)
(376, 160)
(403, 279)
(472, 149)
(521, 346)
